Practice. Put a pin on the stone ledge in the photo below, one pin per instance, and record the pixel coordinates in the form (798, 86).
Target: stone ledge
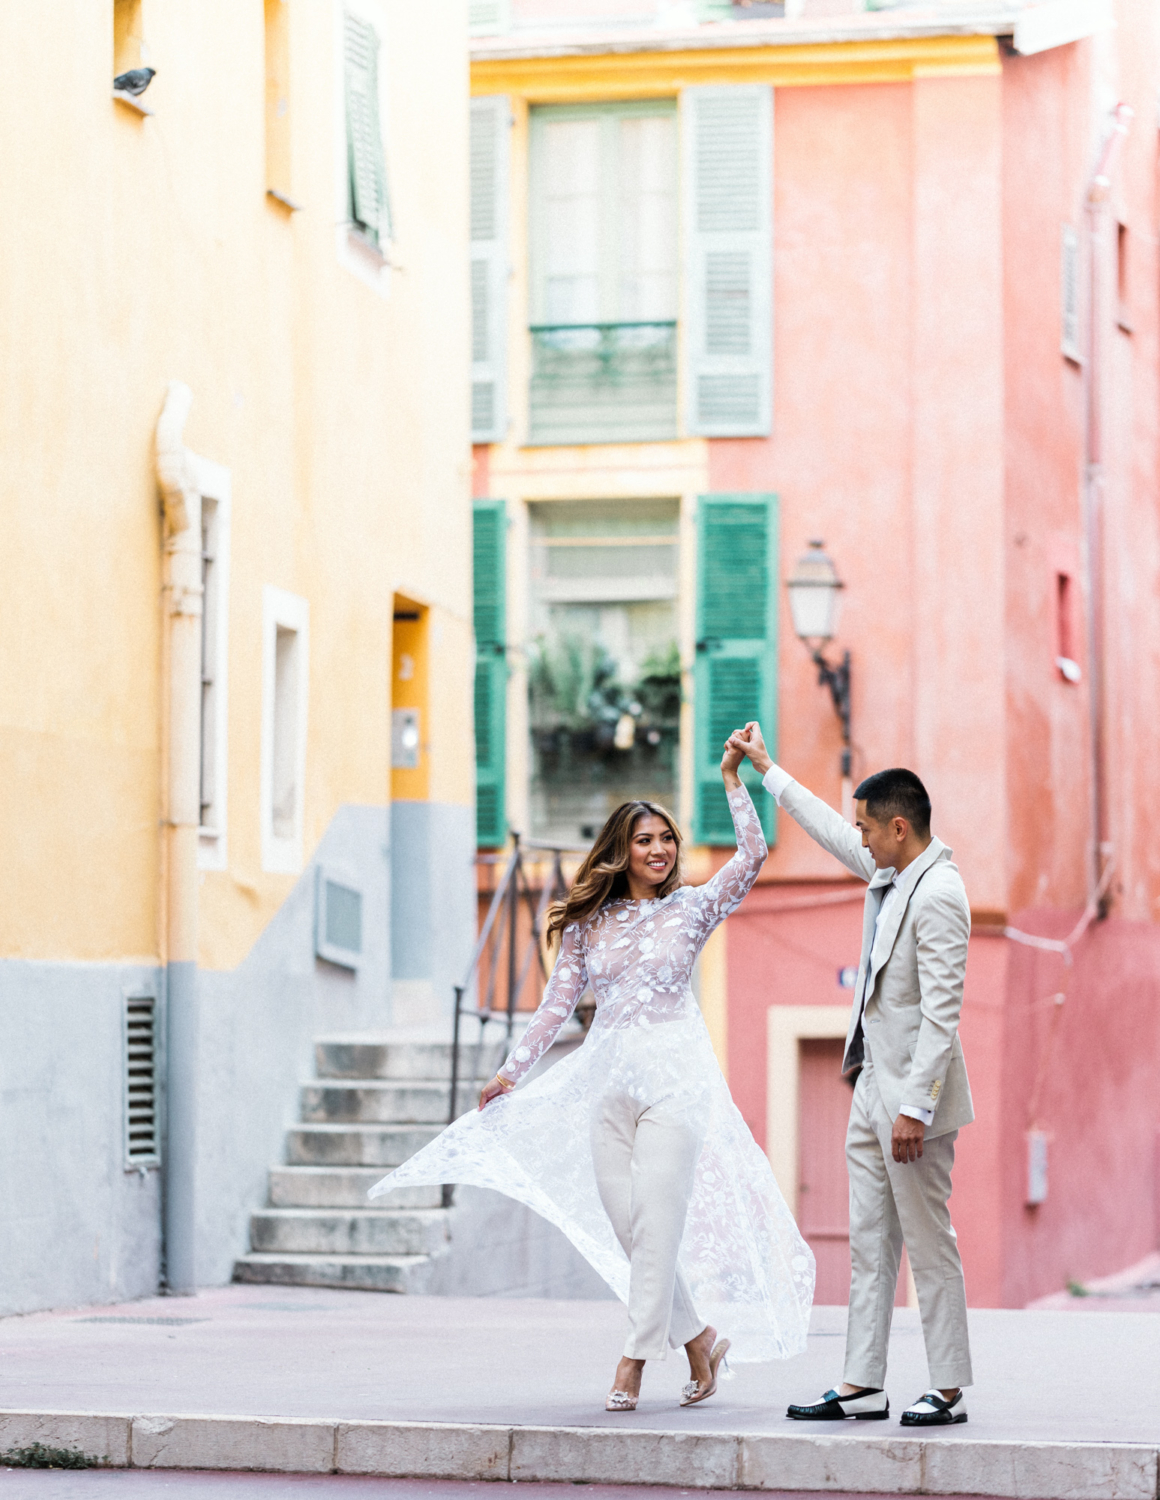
(105, 1438)
(282, 1445)
(423, 1450)
(941, 1464)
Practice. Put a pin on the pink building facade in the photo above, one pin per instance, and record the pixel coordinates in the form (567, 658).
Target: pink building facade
(966, 407)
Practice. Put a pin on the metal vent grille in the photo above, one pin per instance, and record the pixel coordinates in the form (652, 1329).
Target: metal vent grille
(142, 1132)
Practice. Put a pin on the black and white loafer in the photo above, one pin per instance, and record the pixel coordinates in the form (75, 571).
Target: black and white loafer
(867, 1406)
(930, 1410)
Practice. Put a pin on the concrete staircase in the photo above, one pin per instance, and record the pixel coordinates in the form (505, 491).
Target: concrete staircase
(374, 1103)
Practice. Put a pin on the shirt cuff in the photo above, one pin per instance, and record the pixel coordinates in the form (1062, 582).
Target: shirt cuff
(775, 782)
(915, 1113)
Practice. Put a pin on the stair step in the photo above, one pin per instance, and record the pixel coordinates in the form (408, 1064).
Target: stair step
(341, 1187)
(369, 1231)
(371, 1273)
(356, 1145)
(370, 1057)
(376, 1102)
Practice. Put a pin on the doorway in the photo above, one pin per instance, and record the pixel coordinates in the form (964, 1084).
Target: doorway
(823, 1186)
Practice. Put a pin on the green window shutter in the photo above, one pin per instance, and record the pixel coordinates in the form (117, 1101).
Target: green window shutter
(487, 17)
(735, 673)
(727, 145)
(490, 117)
(367, 194)
(489, 573)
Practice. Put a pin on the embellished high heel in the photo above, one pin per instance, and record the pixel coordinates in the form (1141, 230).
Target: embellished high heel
(620, 1401)
(696, 1391)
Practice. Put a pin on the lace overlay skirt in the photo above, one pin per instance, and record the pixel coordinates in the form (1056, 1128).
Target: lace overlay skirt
(750, 1272)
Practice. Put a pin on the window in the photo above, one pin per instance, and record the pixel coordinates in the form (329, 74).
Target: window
(489, 613)
(1069, 339)
(285, 681)
(735, 676)
(490, 119)
(604, 273)
(368, 209)
(1123, 313)
(1065, 644)
(337, 917)
(214, 482)
(604, 666)
(278, 180)
(128, 36)
(727, 175)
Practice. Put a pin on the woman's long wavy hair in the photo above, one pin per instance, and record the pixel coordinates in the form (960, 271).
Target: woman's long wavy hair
(603, 875)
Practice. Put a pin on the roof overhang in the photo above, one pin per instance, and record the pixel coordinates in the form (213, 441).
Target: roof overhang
(885, 46)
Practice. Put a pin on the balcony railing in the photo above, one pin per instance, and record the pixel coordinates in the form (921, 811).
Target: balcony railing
(603, 382)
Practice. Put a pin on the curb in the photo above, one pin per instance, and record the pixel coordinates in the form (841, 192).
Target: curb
(708, 1460)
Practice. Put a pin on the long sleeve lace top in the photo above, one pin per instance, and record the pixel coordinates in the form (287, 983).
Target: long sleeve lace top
(638, 956)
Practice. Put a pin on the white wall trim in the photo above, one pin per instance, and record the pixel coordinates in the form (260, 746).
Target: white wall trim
(786, 1026)
(283, 855)
(214, 482)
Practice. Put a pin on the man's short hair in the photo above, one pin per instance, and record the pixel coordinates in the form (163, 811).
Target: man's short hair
(896, 793)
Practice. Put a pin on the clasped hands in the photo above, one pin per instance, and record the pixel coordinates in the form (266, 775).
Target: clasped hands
(746, 742)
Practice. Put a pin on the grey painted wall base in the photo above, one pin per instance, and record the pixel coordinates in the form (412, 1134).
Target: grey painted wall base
(76, 1227)
(500, 1248)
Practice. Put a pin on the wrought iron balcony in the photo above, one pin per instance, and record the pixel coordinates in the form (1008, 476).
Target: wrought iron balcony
(603, 382)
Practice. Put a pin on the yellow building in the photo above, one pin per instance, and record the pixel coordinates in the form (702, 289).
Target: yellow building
(236, 641)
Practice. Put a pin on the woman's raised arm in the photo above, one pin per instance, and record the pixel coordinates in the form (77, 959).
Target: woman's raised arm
(732, 882)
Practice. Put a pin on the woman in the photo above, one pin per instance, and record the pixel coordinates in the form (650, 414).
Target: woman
(632, 1145)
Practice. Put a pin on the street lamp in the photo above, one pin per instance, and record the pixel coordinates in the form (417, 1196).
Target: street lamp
(814, 595)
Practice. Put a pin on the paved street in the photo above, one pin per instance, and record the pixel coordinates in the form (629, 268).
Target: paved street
(267, 1351)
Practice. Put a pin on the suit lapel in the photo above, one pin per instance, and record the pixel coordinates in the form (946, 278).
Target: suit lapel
(883, 945)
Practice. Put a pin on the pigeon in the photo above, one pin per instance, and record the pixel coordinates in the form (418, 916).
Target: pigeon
(134, 82)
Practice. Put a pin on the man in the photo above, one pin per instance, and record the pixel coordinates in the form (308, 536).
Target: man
(911, 1096)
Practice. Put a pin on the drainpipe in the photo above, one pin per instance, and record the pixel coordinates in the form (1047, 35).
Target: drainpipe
(181, 814)
(1095, 204)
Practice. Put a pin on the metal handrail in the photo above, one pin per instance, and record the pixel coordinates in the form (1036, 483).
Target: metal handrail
(503, 917)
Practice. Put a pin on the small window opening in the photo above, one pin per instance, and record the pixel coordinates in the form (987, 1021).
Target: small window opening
(1069, 333)
(128, 38)
(1123, 316)
(1065, 647)
(278, 181)
(142, 1133)
(284, 780)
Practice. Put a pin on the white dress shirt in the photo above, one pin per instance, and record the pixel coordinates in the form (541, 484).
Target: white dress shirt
(775, 782)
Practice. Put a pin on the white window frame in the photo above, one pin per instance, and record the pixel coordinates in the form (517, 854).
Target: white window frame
(355, 253)
(286, 611)
(214, 484)
(326, 872)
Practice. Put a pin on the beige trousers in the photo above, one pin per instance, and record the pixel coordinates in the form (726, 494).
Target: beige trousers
(645, 1160)
(892, 1203)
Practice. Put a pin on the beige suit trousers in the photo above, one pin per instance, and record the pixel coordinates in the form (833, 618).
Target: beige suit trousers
(892, 1203)
(645, 1160)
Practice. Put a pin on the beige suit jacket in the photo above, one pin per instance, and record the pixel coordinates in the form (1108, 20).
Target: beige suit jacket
(909, 991)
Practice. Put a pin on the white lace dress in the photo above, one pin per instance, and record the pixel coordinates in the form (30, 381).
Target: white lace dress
(750, 1272)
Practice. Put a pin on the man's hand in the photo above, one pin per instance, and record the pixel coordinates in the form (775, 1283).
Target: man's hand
(750, 742)
(906, 1138)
